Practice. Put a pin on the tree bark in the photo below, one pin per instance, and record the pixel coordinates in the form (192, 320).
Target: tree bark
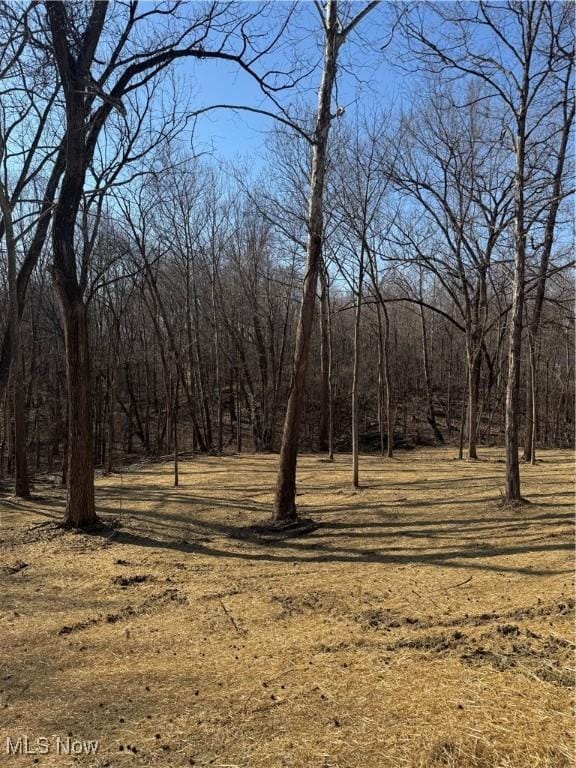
(285, 501)
(533, 414)
(69, 276)
(175, 428)
(29, 263)
(22, 486)
(324, 366)
(428, 380)
(216, 338)
(238, 412)
(330, 383)
(534, 327)
(111, 409)
(462, 426)
(356, 373)
(474, 370)
(80, 507)
(388, 395)
(512, 413)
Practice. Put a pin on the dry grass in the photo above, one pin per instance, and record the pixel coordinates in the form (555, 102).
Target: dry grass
(421, 626)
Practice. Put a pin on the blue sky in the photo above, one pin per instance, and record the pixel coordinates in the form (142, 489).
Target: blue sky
(366, 81)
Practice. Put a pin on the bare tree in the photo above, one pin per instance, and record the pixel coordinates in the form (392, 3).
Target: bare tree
(335, 35)
(558, 190)
(530, 43)
(76, 32)
(22, 487)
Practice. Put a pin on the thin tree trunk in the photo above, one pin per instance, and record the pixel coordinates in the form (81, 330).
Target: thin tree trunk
(555, 199)
(37, 438)
(513, 492)
(219, 410)
(175, 428)
(380, 381)
(388, 391)
(356, 373)
(111, 409)
(30, 260)
(428, 380)
(324, 366)
(5, 428)
(64, 465)
(22, 486)
(202, 388)
(530, 410)
(474, 369)
(546, 425)
(285, 501)
(238, 413)
(533, 414)
(330, 384)
(462, 426)
(449, 391)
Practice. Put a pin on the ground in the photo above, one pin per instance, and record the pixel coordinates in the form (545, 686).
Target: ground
(422, 624)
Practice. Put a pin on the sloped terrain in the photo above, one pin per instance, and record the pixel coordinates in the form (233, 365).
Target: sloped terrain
(421, 625)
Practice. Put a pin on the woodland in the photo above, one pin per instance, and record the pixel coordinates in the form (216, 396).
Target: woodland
(156, 302)
(324, 383)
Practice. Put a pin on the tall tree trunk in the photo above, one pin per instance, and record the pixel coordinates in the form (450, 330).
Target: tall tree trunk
(546, 425)
(462, 425)
(474, 370)
(534, 326)
(5, 442)
(512, 415)
(428, 380)
(330, 385)
(111, 409)
(388, 391)
(29, 262)
(279, 377)
(69, 275)
(219, 409)
(529, 449)
(238, 413)
(449, 390)
(175, 428)
(285, 501)
(381, 427)
(22, 486)
(356, 374)
(324, 365)
(533, 423)
(200, 371)
(80, 507)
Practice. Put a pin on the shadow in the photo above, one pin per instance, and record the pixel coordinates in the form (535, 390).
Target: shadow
(395, 533)
(320, 553)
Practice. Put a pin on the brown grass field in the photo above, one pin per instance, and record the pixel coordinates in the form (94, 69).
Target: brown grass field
(421, 625)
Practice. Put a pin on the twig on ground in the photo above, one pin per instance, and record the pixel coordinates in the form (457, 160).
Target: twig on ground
(227, 612)
(422, 598)
(452, 586)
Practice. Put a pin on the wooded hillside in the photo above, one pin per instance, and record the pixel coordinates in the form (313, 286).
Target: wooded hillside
(385, 276)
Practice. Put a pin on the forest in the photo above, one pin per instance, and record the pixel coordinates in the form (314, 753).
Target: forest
(287, 380)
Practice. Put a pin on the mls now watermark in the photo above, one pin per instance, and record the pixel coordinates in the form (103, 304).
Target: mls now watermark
(44, 745)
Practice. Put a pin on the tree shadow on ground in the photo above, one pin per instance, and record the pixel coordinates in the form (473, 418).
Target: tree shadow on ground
(314, 552)
(396, 530)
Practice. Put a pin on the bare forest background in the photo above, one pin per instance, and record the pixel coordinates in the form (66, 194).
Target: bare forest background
(385, 276)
